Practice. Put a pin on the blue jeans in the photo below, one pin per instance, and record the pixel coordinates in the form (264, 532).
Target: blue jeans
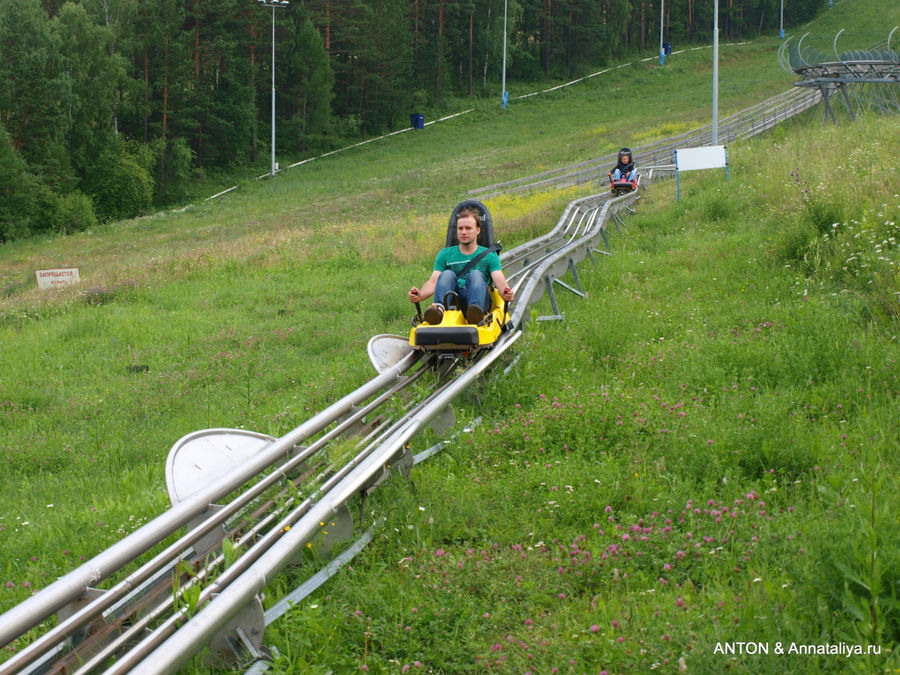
(475, 292)
(617, 175)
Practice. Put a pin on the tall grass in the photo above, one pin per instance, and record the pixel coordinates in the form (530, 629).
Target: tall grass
(699, 456)
(733, 372)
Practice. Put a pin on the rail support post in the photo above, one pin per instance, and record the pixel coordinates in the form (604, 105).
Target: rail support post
(843, 90)
(591, 251)
(556, 316)
(576, 291)
(605, 243)
(549, 281)
(574, 269)
(242, 634)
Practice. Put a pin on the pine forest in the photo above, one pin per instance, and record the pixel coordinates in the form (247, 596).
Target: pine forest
(113, 108)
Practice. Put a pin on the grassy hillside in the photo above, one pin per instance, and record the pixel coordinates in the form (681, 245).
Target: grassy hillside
(704, 452)
(400, 190)
(410, 181)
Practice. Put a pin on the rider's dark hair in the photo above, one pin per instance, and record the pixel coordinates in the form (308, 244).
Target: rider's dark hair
(470, 211)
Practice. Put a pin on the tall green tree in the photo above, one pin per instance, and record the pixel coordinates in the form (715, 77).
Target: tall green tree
(219, 104)
(391, 59)
(310, 88)
(88, 81)
(369, 48)
(18, 190)
(119, 17)
(29, 89)
(162, 56)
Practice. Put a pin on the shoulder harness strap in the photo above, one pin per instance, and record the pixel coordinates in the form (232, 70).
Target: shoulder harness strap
(496, 248)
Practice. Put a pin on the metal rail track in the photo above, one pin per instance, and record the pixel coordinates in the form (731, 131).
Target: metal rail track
(866, 79)
(749, 122)
(194, 576)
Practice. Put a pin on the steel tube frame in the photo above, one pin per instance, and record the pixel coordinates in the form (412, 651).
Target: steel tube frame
(199, 630)
(73, 585)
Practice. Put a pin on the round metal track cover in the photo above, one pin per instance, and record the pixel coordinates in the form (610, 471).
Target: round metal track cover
(202, 457)
(387, 350)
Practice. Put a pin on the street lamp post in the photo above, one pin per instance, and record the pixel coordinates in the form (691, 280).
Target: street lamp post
(715, 107)
(274, 4)
(503, 84)
(662, 53)
(781, 19)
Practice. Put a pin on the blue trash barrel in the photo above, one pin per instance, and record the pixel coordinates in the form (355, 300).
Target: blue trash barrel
(417, 121)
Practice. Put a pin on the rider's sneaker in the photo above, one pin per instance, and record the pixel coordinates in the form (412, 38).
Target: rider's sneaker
(474, 314)
(434, 315)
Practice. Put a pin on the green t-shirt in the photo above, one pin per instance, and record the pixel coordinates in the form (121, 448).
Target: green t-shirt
(451, 258)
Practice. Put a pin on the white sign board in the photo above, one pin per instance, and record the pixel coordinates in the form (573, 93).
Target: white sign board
(691, 159)
(57, 278)
(710, 157)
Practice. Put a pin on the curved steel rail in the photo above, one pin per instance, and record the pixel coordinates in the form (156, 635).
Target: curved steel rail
(149, 628)
(744, 124)
(866, 79)
(76, 585)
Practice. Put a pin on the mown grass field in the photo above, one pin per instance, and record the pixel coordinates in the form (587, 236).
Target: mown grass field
(703, 454)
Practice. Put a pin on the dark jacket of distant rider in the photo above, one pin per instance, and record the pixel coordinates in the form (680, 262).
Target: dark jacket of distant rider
(624, 165)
